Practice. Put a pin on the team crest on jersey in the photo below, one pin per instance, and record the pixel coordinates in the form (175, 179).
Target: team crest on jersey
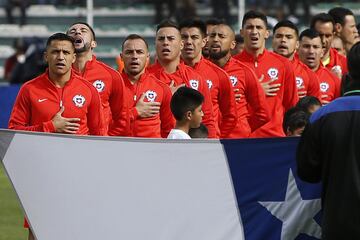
(233, 80)
(209, 83)
(299, 82)
(99, 85)
(150, 95)
(324, 86)
(273, 73)
(79, 100)
(194, 84)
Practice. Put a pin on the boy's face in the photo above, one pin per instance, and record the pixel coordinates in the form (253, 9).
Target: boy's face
(196, 117)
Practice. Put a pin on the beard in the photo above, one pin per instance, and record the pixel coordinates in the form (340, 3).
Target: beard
(85, 48)
(218, 55)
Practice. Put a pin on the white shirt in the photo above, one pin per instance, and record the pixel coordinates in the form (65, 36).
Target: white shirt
(178, 134)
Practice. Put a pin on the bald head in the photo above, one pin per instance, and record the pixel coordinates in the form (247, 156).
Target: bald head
(221, 41)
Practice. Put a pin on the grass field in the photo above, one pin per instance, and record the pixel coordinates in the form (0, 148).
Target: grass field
(11, 216)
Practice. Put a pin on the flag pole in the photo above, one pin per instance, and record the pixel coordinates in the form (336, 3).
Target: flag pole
(241, 13)
(90, 12)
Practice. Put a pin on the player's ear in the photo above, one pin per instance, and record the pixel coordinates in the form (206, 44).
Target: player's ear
(93, 44)
(267, 34)
(45, 56)
(188, 115)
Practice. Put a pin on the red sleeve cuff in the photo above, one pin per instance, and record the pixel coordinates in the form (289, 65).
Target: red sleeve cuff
(48, 127)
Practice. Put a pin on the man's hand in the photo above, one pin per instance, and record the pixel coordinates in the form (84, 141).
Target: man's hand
(270, 89)
(147, 109)
(301, 94)
(237, 95)
(173, 88)
(65, 125)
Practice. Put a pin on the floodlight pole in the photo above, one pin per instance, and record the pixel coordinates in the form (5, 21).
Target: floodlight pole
(90, 12)
(241, 13)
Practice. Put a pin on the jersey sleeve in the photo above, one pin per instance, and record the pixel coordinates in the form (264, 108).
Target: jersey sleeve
(21, 114)
(255, 96)
(227, 105)
(95, 121)
(166, 117)
(120, 110)
(290, 97)
(314, 85)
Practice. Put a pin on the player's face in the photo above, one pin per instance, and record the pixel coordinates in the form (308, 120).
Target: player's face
(196, 117)
(135, 56)
(254, 33)
(221, 41)
(60, 55)
(193, 43)
(285, 41)
(168, 44)
(205, 50)
(349, 33)
(84, 39)
(311, 52)
(326, 31)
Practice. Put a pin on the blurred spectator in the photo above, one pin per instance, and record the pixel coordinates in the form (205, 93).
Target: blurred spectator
(338, 44)
(34, 63)
(295, 121)
(46, 2)
(221, 10)
(10, 5)
(292, 5)
(309, 104)
(171, 9)
(239, 45)
(17, 57)
(187, 10)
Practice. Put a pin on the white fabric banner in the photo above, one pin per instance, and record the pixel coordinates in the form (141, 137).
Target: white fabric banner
(91, 188)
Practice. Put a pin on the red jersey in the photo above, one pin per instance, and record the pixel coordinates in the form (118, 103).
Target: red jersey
(110, 86)
(39, 100)
(306, 80)
(338, 61)
(329, 84)
(252, 97)
(222, 96)
(155, 91)
(188, 76)
(273, 66)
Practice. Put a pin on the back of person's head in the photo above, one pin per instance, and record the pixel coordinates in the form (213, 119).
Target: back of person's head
(200, 132)
(353, 62)
(322, 18)
(288, 24)
(309, 104)
(185, 99)
(133, 37)
(167, 23)
(339, 14)
(309, 33)
(194, 23)
(59, 37)
(239, 39)
(87, 25)
(295, 121)
(252, 14)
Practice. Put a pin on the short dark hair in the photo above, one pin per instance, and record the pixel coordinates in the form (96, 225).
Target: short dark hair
(59, 37)
(288, 24)
(254, 14)
(214, 21)
(353, 62)
(196, 23)
(239, 38)
(310, 33)
(339, 14)
(167, 23)
(306, 102)
(185, 99)
(132, 37)
(295, 118)
(200, 132)
(321, 17)
(86, 24)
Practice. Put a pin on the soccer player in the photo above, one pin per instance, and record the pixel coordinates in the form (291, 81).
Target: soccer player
(149, 99)
(58, 101)
(252, 111)
(275, 72)
(345, 26)
(285, 43)
(193, 33)
(170, 70)
(106, 80)
(323, 23)
(310, 53)
(186, 106)
(210, 24)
